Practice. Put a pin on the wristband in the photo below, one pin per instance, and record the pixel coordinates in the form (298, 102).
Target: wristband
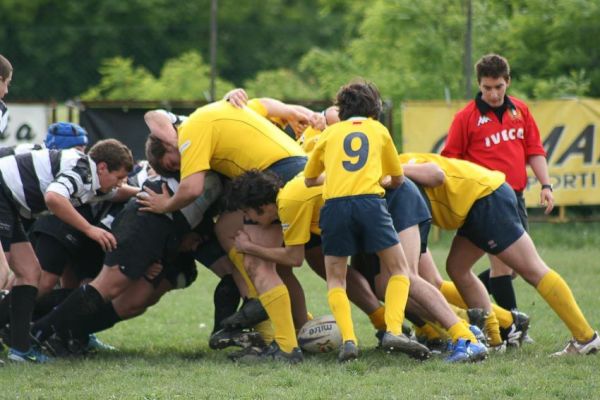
(547, 186)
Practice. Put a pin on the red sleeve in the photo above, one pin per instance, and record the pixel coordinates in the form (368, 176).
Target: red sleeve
(533, 142)
(456, 142)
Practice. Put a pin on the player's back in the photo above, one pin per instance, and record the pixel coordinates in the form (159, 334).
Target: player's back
(356, 157)
(231, 141)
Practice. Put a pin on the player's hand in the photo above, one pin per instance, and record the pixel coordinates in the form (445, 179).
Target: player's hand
(318, 121)
(106, 239)
(153, 271)
(547, 199)
(298, 121)
(152, 201)
(242, 241)
(237, 97)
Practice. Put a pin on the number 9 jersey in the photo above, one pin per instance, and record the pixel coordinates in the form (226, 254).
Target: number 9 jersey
(355, 154)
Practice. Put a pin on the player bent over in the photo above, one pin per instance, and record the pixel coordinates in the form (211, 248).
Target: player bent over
(146, 243)
(356, 154)
(54, 180)
(486, 215)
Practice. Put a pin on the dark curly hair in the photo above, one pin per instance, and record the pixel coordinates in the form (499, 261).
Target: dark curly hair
(492, 66)
(358, 99)
(253, 189)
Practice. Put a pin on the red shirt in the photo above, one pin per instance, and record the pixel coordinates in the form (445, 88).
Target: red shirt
(477, 135)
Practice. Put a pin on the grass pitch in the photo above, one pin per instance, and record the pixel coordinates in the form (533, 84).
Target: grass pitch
(164, 354)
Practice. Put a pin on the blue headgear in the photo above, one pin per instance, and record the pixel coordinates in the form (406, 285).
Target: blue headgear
(64, 135)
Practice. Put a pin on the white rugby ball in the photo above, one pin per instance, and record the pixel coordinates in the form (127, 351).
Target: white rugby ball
(320, 335)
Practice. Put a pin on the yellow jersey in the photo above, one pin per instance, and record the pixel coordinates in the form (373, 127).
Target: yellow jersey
(309, 139)
(257, 106)
(355, 154)
(231, 141)
(465, 183)
(299, 208)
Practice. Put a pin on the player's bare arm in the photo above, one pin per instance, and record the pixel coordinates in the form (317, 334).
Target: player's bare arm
(161, 127)
(426, 174)
(288, 255)
(539, 166)
(63, 209)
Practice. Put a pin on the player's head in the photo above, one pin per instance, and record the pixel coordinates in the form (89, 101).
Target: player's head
(358, 99)
(492, 66)
(65, 135)
(493, 77)
(255, 193)
(162, 157)
(6, 71)
(113, 162)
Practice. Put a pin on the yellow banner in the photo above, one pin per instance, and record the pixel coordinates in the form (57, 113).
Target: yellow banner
(568, 129)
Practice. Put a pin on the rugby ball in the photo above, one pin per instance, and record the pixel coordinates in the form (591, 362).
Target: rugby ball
(320, 335)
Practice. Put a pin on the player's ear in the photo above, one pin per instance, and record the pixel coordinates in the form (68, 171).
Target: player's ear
(102, 167)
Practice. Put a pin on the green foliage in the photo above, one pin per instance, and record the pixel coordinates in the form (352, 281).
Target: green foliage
(281, 84)
(182, 78)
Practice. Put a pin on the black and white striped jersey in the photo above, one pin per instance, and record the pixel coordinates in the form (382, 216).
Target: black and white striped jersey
(69, 173)
(19, 149)
(3, 117)
(191, 215)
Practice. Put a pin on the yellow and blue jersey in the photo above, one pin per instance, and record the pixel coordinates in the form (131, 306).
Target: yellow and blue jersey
(231, 141)
(299, 208)
(355, 154)
(465, 183)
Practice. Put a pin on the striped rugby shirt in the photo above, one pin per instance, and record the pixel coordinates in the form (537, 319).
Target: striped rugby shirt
(69, 173)
(3, 117)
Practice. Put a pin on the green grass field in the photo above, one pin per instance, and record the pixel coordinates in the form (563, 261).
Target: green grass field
(164, 353)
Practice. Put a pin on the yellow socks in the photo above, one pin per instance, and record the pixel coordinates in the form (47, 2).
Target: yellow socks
(558, 295)
(452, 295)
(377, 318)
(396, 296)
(492, 329)
(340, 307)
(460, 331)
(279, 308)
(505, 318)
(238, 260)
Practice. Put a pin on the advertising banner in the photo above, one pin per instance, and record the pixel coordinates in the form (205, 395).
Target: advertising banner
(27, 123)
(569, 133)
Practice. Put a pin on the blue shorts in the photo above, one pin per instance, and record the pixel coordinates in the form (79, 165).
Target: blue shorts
(493, 223)
(288, 168)
(314, 241)
(406, 206)
(355, 224)
(522, 210)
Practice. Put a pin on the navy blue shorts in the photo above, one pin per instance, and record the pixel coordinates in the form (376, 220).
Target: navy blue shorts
(406, 206)
(314, 241)
(288, 168)
(522, 210)
(493, 223)
(355, 224)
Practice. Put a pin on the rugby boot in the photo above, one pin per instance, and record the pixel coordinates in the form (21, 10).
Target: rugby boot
(225, 337)
(250, 314)
(576, 348)
(466, 351)
(348, 351)
(515, 334)
(402, 343)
